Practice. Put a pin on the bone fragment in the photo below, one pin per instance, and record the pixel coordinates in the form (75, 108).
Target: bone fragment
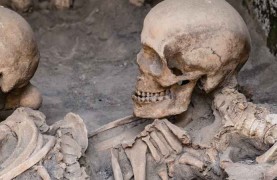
(137, 157)
(138, 3)
(115, 165)
(171, 169)
(271, 173)
(164, 150)
(163, 175)
(269, 155)
(152, 148)
(186, 158)
(113, 124)
(225, 160)
(74, 124)
(180, 133)
(70, 146)
(171, 138)
(42, 172)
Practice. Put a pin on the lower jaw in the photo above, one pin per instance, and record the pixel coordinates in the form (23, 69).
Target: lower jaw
(159, 110)
(153, 110)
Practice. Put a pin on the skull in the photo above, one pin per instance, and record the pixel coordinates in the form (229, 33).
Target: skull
(21, 5)
(61, 4)
(184, 43)
(19, 55)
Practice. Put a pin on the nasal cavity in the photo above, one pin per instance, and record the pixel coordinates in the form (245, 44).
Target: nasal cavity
(176, 72)
(184, 82)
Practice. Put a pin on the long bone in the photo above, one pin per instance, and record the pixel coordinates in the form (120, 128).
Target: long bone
(137, 156)
(115, 165)
(152, 148)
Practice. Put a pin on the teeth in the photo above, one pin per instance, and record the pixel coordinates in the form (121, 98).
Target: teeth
(134, 97)
(160, 98)
(148, 97)
(166, 97)
(153, 99)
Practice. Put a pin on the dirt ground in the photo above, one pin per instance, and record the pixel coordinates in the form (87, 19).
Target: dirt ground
(88, 59)
(88, 62)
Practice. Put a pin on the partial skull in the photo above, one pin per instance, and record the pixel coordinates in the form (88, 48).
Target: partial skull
(19, 55)
(185, 43)
(62, 4)
(21, 5)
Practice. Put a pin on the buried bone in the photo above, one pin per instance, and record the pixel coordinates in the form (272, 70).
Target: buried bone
(137, 157)
(53, 152)
(152, 149)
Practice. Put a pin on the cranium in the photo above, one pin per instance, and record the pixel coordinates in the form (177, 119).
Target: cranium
(19, 55)
(21, 5)
(184, 43)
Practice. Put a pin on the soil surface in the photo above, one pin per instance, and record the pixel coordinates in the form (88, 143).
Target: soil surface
(88, 58)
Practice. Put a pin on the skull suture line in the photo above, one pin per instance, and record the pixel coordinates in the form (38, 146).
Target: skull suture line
(183, 46)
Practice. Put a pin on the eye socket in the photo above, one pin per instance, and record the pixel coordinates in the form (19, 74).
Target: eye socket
(150, 62)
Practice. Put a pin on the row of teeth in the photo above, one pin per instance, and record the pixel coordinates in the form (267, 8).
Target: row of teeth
(149, 94)
(152, 97)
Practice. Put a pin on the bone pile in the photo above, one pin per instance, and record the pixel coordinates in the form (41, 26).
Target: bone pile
(30, 149)
(161, 139)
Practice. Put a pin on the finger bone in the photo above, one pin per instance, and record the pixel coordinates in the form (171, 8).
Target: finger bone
(152, 148)
(162, 146)
(180, 133)
(186, 158)
(171, 138)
